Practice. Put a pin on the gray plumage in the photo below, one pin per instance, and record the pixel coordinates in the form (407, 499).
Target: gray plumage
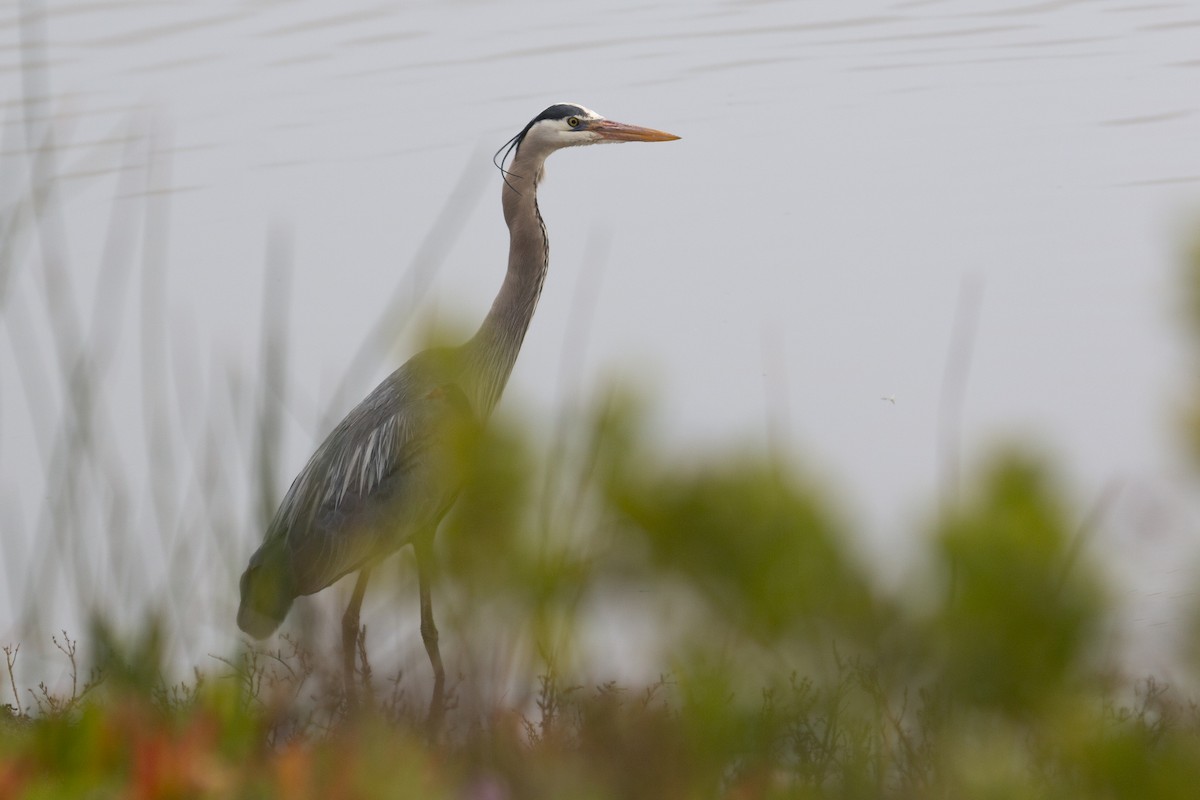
(388, 473)
(384, 473)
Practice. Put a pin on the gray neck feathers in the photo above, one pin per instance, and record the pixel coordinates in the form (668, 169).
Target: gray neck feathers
(493, 350)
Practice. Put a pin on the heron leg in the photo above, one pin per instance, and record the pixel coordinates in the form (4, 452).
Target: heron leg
(350, 634)
(423, 546)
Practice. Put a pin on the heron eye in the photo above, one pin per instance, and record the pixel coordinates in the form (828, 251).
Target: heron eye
(573, 122)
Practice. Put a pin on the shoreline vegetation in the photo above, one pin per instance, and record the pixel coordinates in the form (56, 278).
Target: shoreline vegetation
(789, 675)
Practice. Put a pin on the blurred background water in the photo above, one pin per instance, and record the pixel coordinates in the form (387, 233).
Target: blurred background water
(861, 189)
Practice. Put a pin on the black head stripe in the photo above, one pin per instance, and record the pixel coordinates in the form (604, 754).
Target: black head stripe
(560, 111)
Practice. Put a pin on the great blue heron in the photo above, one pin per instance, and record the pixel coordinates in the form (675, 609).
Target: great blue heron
(386, 475)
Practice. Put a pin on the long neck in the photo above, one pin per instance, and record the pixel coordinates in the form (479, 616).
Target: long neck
(493, 350)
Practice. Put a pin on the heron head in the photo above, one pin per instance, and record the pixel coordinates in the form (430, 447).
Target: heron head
(571, 125)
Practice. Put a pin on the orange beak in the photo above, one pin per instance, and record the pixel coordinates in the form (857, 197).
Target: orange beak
(620, 132)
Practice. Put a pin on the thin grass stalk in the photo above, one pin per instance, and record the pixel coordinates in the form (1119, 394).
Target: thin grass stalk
(400, 310)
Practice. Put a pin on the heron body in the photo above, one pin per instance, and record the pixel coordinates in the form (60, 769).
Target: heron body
(389, 471)
(384, 474)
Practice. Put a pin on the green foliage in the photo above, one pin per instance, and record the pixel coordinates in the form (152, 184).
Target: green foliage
(1191, 314)
(996, 689)
(1015, 627)
(482, 536)
(763, 550)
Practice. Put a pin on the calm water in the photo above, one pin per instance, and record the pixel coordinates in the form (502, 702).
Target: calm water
(851, 177)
